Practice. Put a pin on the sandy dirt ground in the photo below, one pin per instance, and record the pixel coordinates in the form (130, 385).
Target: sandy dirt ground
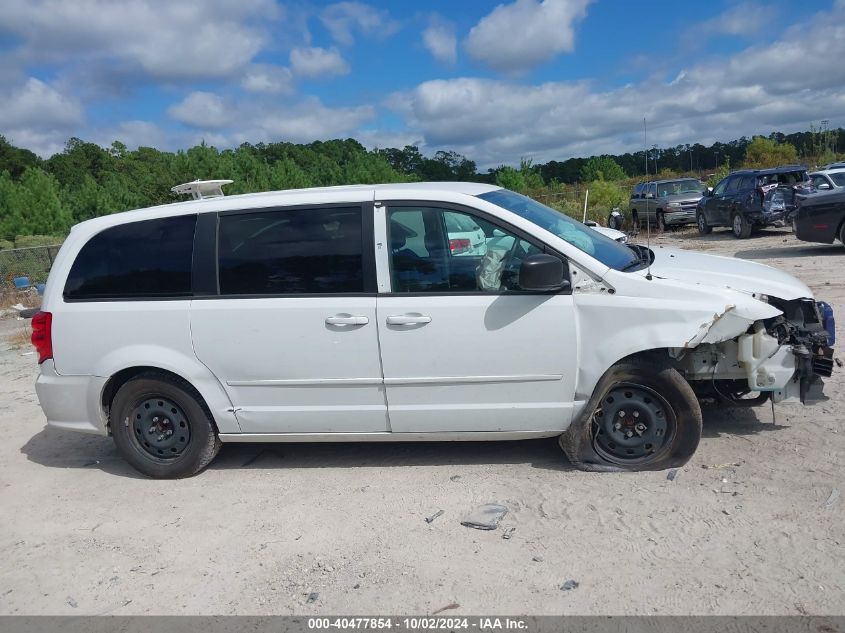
(752, 525)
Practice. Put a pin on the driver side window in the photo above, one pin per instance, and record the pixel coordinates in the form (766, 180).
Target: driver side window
(720, 188)
(440, 250)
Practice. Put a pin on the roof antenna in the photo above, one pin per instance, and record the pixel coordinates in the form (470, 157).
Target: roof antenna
(647, 216)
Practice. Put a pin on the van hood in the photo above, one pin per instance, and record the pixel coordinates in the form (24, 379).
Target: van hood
(730, 272)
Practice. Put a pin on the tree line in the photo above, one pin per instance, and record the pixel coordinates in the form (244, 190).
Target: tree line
(47, 196)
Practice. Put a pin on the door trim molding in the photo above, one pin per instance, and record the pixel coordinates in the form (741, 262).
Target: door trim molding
(310, 382)
(381, 436)
(437, 380)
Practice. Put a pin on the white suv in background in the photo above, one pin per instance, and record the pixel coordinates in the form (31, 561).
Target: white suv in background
(346, 313)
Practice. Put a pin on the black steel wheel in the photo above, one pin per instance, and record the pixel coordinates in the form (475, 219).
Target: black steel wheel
(661, 222)
(643, 415)
(632, 424)
(162, 427)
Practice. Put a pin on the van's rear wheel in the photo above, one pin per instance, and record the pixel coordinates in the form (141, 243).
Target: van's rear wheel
(642, 416)
(161, 427)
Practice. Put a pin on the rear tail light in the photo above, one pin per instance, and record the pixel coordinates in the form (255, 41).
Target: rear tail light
(42, 335)
(458, 246)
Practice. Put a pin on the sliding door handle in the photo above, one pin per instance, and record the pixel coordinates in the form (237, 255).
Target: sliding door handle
(347, 320)
(408, 319)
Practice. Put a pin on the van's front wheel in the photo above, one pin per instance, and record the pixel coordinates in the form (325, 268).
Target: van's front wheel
(642, 416)
(161, 427)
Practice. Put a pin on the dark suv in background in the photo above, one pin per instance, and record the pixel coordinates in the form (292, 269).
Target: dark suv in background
(752, 198)
(666, 202)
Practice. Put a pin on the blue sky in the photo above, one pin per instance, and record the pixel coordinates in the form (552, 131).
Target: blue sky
(544, 79)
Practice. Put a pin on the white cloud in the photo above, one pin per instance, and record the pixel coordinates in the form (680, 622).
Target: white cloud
(736, 20)
(201, 110)
(518, 36)
(308, 121)
(38, 116)
(267, 79)
(439, 38)
(305, 121)
(317, 62)
(495, 121)
(169, 40)
(35, 102)
(345, 18)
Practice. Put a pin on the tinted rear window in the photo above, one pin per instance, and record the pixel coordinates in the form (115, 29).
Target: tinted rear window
(299, 251)
(147, 259)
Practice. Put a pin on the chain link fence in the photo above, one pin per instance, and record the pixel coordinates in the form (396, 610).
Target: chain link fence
(23, 273)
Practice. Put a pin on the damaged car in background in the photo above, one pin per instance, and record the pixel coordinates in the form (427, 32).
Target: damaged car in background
(415, 311)
(752, 199)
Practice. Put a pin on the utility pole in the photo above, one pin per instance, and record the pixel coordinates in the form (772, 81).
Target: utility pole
(825, 135)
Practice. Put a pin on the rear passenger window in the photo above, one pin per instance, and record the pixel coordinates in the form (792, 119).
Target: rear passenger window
(301, 251)
(747, 183)
(148, 259)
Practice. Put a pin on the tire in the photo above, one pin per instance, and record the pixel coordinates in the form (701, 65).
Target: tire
(145, 408)
(842, 234)
(661, 222)
(642, 386)
(635, 220)
(703, 227)
(740, 226)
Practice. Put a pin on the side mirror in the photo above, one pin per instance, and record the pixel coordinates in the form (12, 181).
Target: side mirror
(708, 191)
(542, 273)
(649, 195)
(823, 185)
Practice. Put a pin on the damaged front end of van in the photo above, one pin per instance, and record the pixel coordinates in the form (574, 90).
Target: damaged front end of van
(783, 357)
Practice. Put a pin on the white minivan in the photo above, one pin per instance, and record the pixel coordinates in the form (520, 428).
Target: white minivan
(342, 314)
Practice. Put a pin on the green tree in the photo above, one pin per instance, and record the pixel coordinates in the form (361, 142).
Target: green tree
(601, 168)
(32, 206)
(763, 152)
(510, 178)
(721, 173)
(15, 160)
(606, 195)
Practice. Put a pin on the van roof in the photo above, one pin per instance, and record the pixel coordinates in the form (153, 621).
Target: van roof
(264, 199)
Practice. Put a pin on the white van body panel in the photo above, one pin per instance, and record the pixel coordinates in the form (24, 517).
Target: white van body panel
(289, 371)
(479, 360)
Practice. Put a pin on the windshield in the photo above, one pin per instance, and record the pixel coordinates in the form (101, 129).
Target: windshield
(679, 187)
(607, 251)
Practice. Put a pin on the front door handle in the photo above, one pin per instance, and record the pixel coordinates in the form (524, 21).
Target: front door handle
(408, 319)
(347, 320)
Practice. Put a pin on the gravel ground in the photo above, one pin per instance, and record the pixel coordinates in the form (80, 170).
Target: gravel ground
(752, 525)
